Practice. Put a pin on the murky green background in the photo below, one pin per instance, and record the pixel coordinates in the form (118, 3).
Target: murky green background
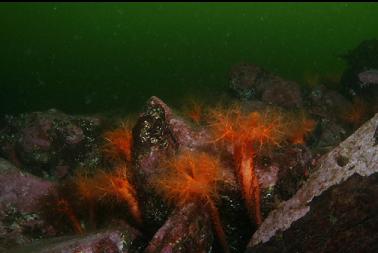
(96, 57)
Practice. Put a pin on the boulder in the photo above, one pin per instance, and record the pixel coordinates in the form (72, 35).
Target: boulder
(20, 192)
(115, 240)
(251, 82)
(335, 203)
(187, 230)
(50, 143)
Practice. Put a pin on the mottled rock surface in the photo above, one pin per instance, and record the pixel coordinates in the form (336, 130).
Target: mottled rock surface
(357, 155)
(20, 221)
(251, 82)
(49, 143)
(120, 240)
(294, 164)
(187, 230)
(153, 142)
(246, 79)
(342, 219)
(326, 103)
(363, 57)
(20, 189)
(330, 134)
(282, 92)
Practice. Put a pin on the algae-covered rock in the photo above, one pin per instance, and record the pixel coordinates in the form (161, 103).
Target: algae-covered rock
(20, 221)
(153, 141)
(187, 230)
(342, 219)
(50, 143)
(282, 92)
(251, 82)
(342, 189)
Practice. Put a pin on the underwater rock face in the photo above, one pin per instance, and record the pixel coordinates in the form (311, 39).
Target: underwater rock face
(282, 93)
(153, 142)
(187, 230)
(332, 110)
(342, 219)
(249, 81)
(294, 164)
(20, 189)
(117, 240)
(49, 142)
(287, 169)
(356, 159)
(20, 222)
(359, 60)
(245, 80)
(331, 134)
(327, 103)
(151, 133)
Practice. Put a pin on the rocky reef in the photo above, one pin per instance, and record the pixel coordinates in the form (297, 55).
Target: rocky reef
(278, 168)
(292, 174)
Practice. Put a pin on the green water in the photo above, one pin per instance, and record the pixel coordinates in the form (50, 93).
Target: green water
(93, 57)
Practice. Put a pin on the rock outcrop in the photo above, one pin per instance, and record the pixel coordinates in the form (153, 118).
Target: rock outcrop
(335, 203)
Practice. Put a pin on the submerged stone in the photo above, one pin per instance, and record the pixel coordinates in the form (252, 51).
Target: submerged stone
(328, 207)
(45, 142)
(115, 240)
